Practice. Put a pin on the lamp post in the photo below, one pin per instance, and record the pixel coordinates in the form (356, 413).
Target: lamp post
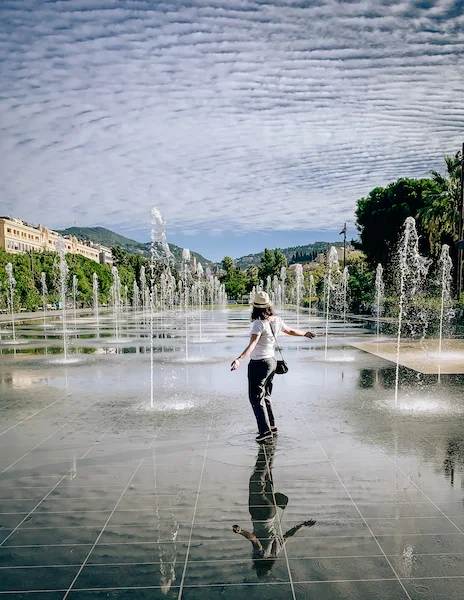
(343, 231)
(461, 230)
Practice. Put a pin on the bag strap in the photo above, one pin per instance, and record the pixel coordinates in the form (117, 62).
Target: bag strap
(277, 345)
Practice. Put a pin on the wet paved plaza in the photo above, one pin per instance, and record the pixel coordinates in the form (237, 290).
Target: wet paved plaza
(104, 496)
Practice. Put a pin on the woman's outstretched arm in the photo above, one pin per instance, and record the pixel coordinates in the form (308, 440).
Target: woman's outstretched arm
(249, 536)
(254, 337)
(298, 333)
(294, 530)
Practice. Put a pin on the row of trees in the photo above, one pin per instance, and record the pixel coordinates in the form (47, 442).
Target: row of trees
(303, 257)
(28, 269)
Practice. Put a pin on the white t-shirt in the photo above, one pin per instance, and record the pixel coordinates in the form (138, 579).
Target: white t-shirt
(266, 342)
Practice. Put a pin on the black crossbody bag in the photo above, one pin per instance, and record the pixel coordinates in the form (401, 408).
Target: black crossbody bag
(282, 366)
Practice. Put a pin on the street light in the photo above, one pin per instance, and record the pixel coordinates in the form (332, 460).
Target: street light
(343, 231)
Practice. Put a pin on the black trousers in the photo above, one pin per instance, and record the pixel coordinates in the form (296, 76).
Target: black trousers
(260, 375)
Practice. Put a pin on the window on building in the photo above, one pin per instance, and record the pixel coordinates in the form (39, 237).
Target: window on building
(8, 230)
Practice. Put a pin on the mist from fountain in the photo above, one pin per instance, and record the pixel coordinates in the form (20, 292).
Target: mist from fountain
(63, 282)
(379, 295)
(11, 291)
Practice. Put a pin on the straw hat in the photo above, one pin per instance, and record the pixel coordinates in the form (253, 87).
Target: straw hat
(262, 300)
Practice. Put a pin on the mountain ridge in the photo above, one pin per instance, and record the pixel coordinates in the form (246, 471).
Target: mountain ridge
(106, 237)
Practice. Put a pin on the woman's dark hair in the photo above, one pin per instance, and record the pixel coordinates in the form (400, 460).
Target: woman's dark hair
(262, 313)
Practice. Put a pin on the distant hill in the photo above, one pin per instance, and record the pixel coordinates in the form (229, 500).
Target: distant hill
(106, 237)
(254, 259)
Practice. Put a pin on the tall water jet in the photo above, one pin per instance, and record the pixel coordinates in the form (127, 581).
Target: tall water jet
(446, 277)
(200, 273)
(74, 296)
(135, 297)
(43, 280)
(344, 292)
(333, 269)
(379, 295)
(412, 269)
(95, 299)
(310, 303)
(116, 300)
(63, 280)
(298, 290)
(143, 286)
(11, 290)
(186, 273)
(159, 250)
(283, 277)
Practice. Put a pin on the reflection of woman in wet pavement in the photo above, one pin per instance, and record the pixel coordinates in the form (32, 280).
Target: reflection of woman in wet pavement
(267, 538)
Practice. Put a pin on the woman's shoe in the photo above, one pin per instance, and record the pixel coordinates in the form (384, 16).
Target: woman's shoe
(274, 430)
(262, 437)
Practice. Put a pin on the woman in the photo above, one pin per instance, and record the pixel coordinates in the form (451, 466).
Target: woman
(261, 369)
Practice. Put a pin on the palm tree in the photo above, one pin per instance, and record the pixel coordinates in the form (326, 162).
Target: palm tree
(440, 214)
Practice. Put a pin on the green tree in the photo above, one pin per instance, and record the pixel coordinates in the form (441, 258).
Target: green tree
(252, 276)
(235, 280)
(380, 217)
(228, 264)
(271, 264)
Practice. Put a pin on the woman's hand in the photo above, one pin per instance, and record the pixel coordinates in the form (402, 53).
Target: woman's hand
(235, 365)
(310, 334)
(236, 529)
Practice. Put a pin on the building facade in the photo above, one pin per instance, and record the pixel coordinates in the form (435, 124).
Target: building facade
(16, 236)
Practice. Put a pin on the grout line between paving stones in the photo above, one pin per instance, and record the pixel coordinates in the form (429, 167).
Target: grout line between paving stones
(62, 478)
(53, 403)
(422, 492)
(182, 583)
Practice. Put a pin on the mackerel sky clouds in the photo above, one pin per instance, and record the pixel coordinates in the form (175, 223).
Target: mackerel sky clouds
(222, 112)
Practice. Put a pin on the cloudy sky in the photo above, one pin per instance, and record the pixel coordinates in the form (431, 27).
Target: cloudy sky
(245, 122)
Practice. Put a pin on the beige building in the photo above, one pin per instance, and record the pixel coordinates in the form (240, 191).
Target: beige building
(17, 236)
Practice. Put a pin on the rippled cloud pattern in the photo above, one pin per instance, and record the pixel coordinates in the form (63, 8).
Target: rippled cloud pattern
(221, 112)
